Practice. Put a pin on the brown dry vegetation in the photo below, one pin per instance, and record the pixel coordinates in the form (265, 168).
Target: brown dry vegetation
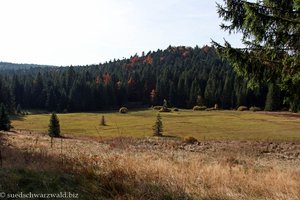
(164, 168)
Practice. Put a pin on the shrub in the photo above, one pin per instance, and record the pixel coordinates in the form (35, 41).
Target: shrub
(216, 107)
(123, 110)
(175, 109)
(242, 108)
(165, 104)
(158, 126)
(210, 109)
(157, 107)
(164, 109)
(254, 109)
(199, 108)
(190, 140)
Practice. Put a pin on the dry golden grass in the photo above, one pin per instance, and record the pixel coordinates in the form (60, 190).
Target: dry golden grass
(152, 168)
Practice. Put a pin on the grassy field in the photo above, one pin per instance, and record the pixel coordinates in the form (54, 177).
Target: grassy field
(139, 167)
(223, 125)
(150, 168)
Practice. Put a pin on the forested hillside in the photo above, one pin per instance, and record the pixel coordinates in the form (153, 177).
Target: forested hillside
(182, 75)
(7, 65)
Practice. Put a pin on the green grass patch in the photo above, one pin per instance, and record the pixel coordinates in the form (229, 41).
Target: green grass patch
(220, 125)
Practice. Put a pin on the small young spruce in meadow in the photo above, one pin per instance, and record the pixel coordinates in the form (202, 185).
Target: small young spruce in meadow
(158, 126)
(54, 127)
(102, 121)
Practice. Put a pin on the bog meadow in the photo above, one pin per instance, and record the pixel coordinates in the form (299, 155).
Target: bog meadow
(209, 122)
(218, 154)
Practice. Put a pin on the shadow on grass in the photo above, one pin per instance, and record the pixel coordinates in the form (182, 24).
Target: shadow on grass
(40, 172)
(17, 117)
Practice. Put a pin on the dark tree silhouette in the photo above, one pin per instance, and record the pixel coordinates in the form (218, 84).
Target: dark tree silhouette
(271, 35)
(4, 119)
(54, 127)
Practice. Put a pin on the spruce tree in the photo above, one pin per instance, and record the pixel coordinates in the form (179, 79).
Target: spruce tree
(158, 126)
(19, 109)
(102, 121)
(273, 99)
(4, 119)
(271, 30)
(54, 127)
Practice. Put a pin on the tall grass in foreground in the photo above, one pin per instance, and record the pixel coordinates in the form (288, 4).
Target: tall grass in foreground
(118, 171)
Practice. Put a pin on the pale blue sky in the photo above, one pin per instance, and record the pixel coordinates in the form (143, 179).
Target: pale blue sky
(80, 32)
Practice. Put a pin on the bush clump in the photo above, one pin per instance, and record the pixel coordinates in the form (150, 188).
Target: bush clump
(210, 109)
(157, 107)
(242, 108)
(123, 110)
(216, 107)
(175, 109)
(190, 140)
(199, 108)
(164, 109)
(254, 109)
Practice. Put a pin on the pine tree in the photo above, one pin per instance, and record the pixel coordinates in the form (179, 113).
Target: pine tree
(178, 75)
(102, 121)
(271, 30)
(227, 92)
(19, 109)
(172, 94)
(194, 93)
(200, 101)
(4, 119)
(158, 126)
(273, 98)
(54, 127)
(210, 92)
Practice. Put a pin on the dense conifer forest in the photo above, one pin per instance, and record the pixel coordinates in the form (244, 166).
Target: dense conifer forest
(184, 76)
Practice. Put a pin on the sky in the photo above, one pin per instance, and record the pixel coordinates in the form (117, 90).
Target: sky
(81, 32)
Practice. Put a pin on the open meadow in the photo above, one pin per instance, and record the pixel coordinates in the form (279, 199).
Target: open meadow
(239, 155)
(220, 125)
(224, 122)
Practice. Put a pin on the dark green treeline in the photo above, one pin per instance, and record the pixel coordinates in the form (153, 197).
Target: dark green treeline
(184, 76)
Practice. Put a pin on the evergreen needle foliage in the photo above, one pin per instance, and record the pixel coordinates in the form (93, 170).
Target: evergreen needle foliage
(102, 121)
(4, 119)
(271, 35)
(158, 126)
(19, 109)
(54, 127)
(183, 76)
